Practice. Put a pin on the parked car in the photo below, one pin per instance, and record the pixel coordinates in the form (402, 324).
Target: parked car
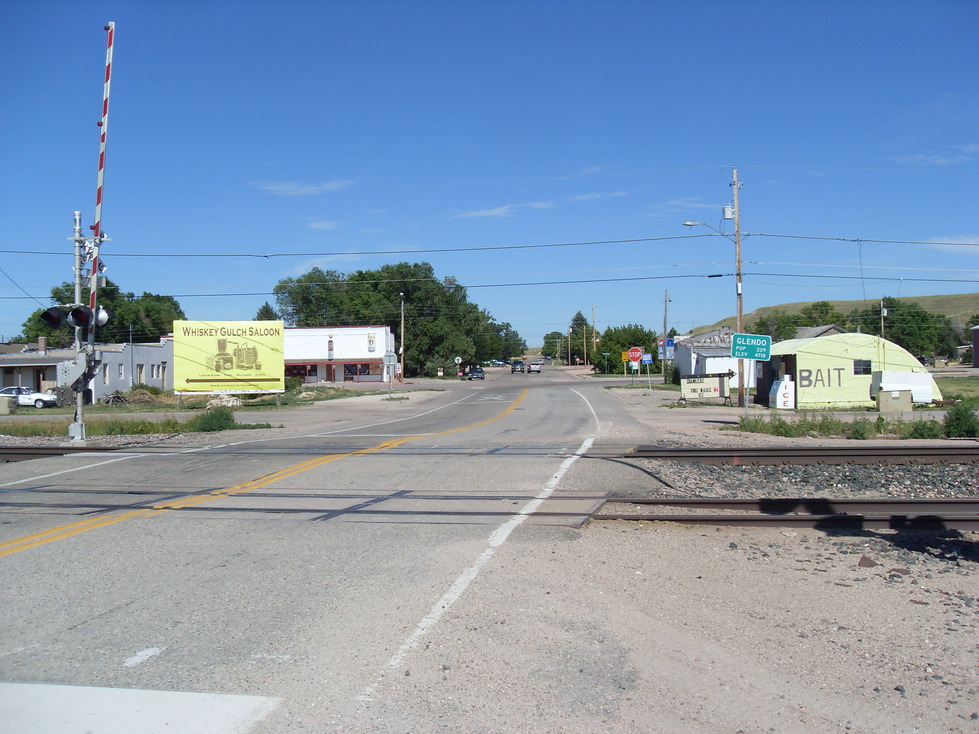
(26, 396)
(534, 367)
(476, 373)
(516, 366)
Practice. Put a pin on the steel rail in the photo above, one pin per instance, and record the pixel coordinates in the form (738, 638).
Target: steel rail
(812, 512)
(856, 454)
(24, 453)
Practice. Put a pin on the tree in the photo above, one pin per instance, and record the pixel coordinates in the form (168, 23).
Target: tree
(137, 319)
(820, 313)
(618, 339)
(553, 345)
(266, 313)
(908, 325)
(440, 322)
(777, 324)
(579, 331)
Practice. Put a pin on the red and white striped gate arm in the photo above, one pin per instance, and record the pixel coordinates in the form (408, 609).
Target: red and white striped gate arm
(103, 123)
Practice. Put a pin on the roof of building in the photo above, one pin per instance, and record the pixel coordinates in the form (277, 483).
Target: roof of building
(811, 332)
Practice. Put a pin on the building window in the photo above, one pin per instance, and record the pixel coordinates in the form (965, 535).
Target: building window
(122, 372)
(105, 374)
(862, 367)
(139, 374)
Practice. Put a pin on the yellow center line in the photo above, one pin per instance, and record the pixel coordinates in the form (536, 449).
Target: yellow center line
(83, 526)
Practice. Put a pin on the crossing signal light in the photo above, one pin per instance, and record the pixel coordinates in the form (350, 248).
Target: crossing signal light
(81, 317)
(102, 316)
(53, 317)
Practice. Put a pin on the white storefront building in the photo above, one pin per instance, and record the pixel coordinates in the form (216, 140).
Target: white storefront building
(338, 353)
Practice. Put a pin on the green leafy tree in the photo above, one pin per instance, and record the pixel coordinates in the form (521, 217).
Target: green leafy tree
(820, 313)
(554, 345)
(138, 319)
(618, 339)
(266, 313)
(578, 333)
(777, 324)
(908, 325)
(440, 322)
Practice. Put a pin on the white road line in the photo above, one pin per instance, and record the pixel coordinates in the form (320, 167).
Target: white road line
(55, 709)
(142, 656)
(69, 471)
(494, 541)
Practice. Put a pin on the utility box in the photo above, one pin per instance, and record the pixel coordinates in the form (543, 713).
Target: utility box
(894, 401)
(782, 394)
(8, 405)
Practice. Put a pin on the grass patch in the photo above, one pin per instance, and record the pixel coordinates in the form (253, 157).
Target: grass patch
(217, 419)
(961, 421)
(644, 385)
(962, 388)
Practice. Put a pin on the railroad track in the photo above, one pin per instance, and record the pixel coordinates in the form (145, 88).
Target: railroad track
(24, 453)
(806, 512)
(964, 453)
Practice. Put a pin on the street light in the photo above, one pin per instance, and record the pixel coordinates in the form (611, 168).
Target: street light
(736, 215)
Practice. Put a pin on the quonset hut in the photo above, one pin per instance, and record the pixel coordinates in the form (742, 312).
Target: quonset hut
(844, 370)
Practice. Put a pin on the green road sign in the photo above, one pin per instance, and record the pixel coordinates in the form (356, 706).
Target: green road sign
(751, 346)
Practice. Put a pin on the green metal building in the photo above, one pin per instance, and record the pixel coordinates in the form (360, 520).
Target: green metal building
(843, 370)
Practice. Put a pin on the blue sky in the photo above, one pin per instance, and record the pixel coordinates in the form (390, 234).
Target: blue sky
(324, 133)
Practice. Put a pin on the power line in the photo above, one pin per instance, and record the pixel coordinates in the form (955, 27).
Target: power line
(347, 283)
(493, 248)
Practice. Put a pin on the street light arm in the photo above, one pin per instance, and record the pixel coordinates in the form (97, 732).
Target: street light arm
(704, 224)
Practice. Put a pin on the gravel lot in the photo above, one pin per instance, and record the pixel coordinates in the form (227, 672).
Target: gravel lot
(861, 632)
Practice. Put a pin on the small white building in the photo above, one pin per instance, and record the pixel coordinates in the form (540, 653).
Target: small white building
(338, 353)
(709, 353)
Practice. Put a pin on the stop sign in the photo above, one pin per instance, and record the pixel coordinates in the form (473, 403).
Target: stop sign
(635, 354)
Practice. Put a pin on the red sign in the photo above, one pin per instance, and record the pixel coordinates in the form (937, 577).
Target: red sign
(635, 354)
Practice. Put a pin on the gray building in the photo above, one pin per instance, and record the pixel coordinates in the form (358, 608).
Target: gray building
(123, 366)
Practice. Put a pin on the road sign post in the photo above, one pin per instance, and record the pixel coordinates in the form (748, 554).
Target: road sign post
(753, 347)
(756, 347)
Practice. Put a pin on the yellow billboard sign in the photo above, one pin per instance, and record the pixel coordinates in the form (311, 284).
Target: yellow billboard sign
(228, 356)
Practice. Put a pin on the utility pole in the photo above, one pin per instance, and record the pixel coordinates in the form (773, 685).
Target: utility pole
(76, 430)
(742, 389)
(402, 336)
(666, 306)
(594, 335)
(584, 343)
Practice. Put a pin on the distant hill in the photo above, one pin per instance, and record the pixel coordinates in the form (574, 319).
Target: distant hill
(958, 308)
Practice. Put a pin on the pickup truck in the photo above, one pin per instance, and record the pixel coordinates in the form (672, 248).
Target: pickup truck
(516, 366)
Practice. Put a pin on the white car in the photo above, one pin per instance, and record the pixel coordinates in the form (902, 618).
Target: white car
(534, 367)
(26, 396)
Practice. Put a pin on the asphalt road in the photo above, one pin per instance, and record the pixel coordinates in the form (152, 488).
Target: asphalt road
(286, 580)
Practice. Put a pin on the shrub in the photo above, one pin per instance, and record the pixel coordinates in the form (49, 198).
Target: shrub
(219, 418)
(860, 430)
(148, 388)
(924, 429)
(961, 422)
(294, 383)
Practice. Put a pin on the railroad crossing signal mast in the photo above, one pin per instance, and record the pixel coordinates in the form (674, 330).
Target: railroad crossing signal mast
(83, 317)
